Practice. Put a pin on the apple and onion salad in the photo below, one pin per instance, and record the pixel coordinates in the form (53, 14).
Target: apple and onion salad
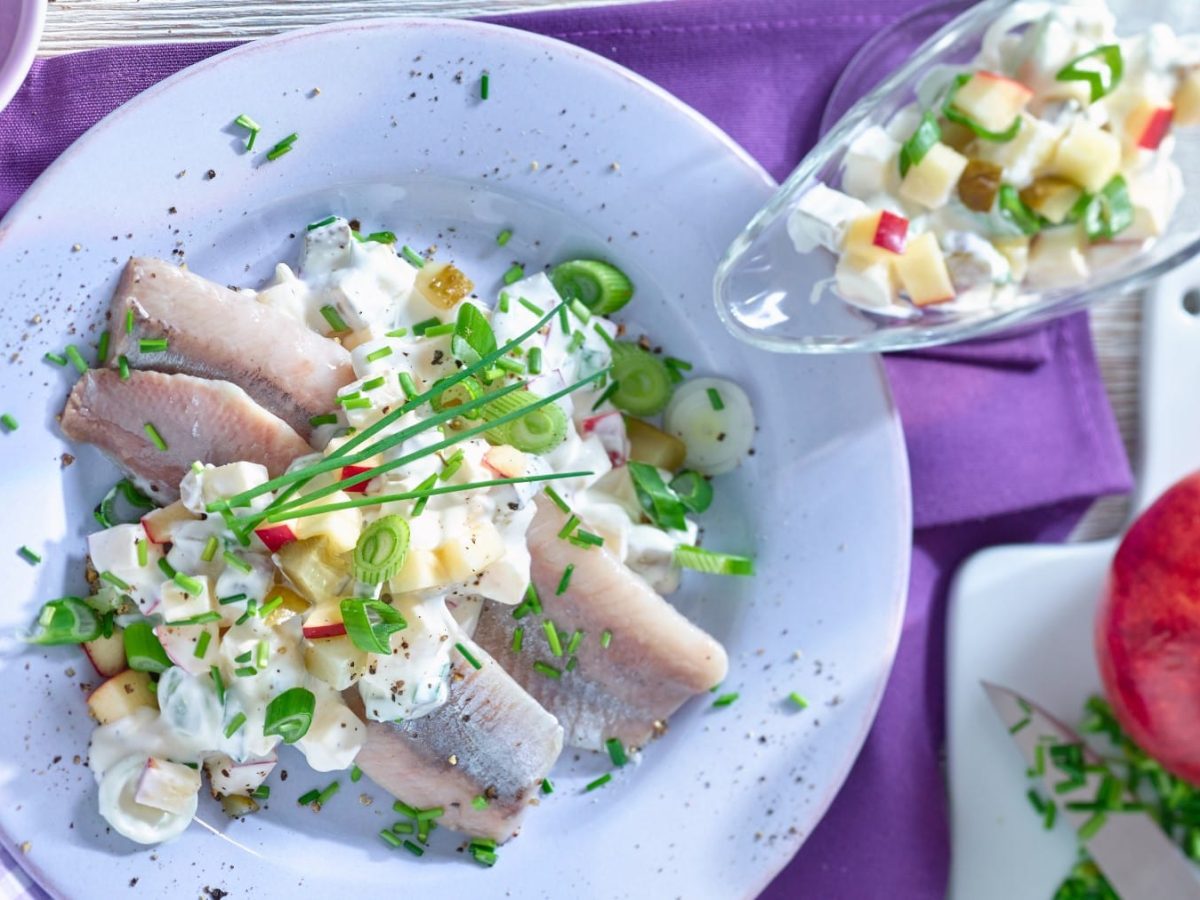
(1045, 160)
(231, 620)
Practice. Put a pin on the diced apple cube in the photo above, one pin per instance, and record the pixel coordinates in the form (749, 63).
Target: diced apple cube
(991, 100)
(227, 778)
(469, 551)
(609, 428)
(178, 603)
(335, 660)
(317, 575)
(121, 695)
(866, 283)
(334, 737)
(107, 654)
(506, 579)
(876, 237)
(931, 182)
(212, 483)
(870, 164)
(168, 786)
(160, 523)
(1087, 155)
(1154, 193)
(276, 537)
(324, 621)
(1016, 251)
(180, 642)
(505, 461)
(340, 529)
(1187, 99)
(1057, 258)
(1147, 124)
(923, 273)
(349, 472)
(422, 569)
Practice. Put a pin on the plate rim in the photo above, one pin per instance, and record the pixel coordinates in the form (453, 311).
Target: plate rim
(13, 69)
(901, 479)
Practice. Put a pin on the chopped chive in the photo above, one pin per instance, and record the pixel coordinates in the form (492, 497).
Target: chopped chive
(355, 774)
(199, 619)
(518, 638)
(262, 792)
(504, 236)
(572, 663)
(233, 598)
(616, 752)
(511, 366)
(558, 500)
(76, 359)
(29, 556)
(598, 783)
(396, 333)
(404, 809)
(388, 838)
(408, 385)
(129, 320)
(468, 655)
(379, 354)
(1088, 829)
(55, 358)
(573, 644)
(419, 328)
(116, 582)
(152, 345)
(576, 342)
(123, 367)
(218, 683)
(1019, 725)
(237, 562)
(9, 422)
(202, 643)
(552, 637)
(613, 387)
(403, 828)
(284, 146)
(210, 548)
(605, 638)
(262, 655)
(514, 274)
(725, 700)
(484, 86)
(419, 506)
(244, 657)
(535, 360)
(334, 318)
(355, 402)
(102, 346)
(414, 849)
(453, 464)
(234, 724)
(503, 305)
(165, 567)
(251, 609)
(563, 321)
(309, 798)
(374, 383)
(714, 397)
(325, 795)
(586, 539)
(529, 305)
(325, 419)
(581, 312)
(521, 611)
(244, 121)
(188, 584)
(479, 801)
(440, 330)
(547, 786)
(798, 701)
(155, 437)
(532, 599)
(270, 606)
(245, 672)
(546, 669)
(328, 220)
(565, 581)
(381, 237)
(674, 362)
(604, 335)
(412, 257)
(565, 531)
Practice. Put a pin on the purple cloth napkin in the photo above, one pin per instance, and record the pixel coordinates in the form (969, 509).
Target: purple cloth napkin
(1009, 439)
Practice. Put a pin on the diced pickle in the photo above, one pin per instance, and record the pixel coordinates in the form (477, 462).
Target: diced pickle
(653, 446)
(442, 284)
(318, 575)
(957, 136)
(979, 184)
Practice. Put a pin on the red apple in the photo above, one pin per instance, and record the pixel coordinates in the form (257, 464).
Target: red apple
(275, 536)
(1149, 123)
(160, 524)
(350, 472)
(1148, 630)
(324, 621)
(876, 237)
(892, 232)
(107, 654)
(609, 428)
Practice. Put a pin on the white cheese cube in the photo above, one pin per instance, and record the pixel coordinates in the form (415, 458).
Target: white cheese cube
(820, 218)
(871, 165)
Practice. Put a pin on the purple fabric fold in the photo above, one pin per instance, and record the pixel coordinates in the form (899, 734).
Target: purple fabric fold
(1008, 439)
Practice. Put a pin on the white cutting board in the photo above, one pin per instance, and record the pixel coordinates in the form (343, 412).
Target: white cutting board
(1022, 617)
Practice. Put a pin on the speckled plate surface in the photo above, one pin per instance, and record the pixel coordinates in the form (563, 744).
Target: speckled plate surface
(577, 156)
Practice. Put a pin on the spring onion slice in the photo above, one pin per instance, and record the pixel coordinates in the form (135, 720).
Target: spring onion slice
(371, 623)
(712, 563)
(290, 714)
(458, 394)
(1109, 212)
(694, 491)
(235, 724)
(1101, 79)
(67, 620)
(143, 650)
(381, 550)
(473, 336)
(644, 383)
(914, 149)
(599, 286)
(106, 512)
(414, 259)
(954, 115)
(658, 501)
(539, 430)
(1013, 208)
(381, 237)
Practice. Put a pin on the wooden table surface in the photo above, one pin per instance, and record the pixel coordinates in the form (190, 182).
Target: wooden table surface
(86, 24)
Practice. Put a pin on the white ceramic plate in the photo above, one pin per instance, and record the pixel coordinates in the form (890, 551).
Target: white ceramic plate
(398, 137)
(20, 29)
(1023, 617)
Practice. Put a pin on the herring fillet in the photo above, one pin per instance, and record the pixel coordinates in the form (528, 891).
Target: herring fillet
(657, 658)
(210, 421)
(490, 739)
(214, 332)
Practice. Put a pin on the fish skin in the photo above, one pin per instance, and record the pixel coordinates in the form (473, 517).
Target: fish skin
(499, 736)
(214, 332)
(656, 661)
(210, 421)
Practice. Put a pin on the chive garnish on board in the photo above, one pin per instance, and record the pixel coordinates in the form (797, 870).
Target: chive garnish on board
(484, 89)
(514, 274)
(547, 786)
(598, 783)
(244, 121)
(28, 555)
(605, 639)
(284, 146)
(503, 238)
(328, 220)
(55, 358)
(543, 668)
(309, 798)
(123, 367)
(9, 421)
(616, 752)
(552, 639)
(152, 345)
(102, 346)
(518, 638)
(797, 700)
(726, 700)
(76, 359)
